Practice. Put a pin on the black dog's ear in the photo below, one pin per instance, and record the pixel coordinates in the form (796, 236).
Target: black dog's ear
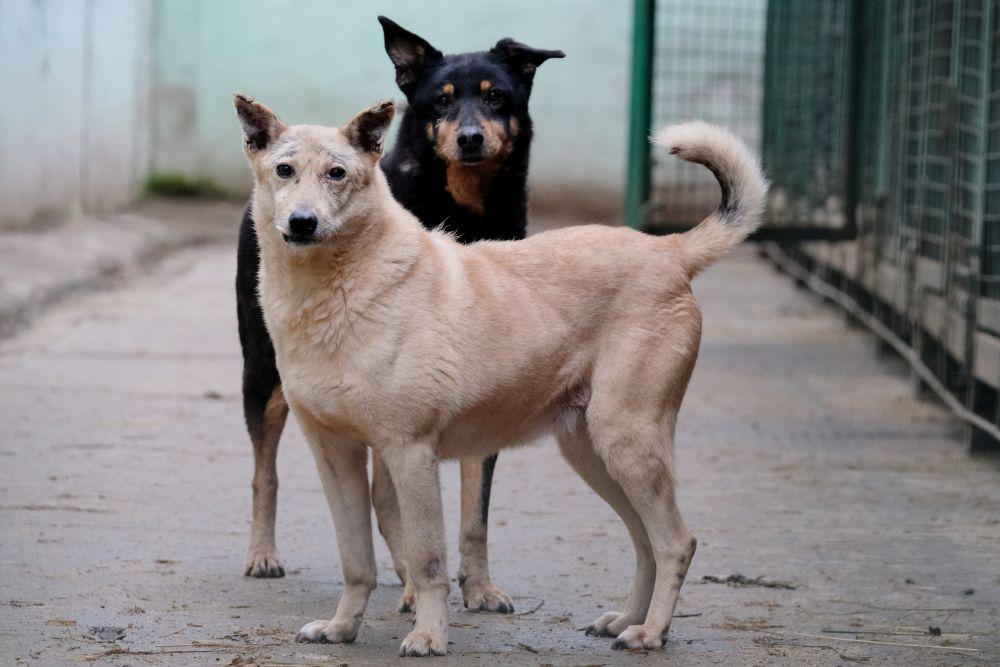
(524, 59)
(260, 125)
(408, 52)
(367, 130)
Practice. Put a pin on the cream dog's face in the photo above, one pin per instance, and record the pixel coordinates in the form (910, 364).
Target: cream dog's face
(313, 181)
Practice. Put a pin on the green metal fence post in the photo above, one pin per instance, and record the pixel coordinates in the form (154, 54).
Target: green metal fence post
(640, 113)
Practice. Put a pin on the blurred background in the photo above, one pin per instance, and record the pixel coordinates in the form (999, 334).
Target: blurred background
(134, 97)
(140, 92)
(850, 366)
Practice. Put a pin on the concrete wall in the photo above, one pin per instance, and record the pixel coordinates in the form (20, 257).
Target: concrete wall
(74, 82)
(320, 61)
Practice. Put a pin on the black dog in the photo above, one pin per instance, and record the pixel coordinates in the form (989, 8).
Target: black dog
(460, 162)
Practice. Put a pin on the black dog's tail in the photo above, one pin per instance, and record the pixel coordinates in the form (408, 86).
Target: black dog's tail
(744, 189)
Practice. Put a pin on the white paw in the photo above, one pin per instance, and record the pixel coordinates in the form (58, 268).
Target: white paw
(264, 563)
(484, 596)
(639, 637)
(328, 632)
(420, 643)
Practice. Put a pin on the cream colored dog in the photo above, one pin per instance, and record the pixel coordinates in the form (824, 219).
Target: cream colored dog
(392, 337)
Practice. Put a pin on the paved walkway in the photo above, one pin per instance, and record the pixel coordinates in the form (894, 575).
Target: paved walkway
(125, 488)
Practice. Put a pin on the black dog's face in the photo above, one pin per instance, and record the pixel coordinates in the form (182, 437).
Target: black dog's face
(472, 106)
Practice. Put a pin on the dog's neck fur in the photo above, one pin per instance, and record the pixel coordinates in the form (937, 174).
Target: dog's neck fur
(320, 289)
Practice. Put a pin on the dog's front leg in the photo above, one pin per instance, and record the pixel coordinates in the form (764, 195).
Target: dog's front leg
(478, 591)
(414, 471)
(343, 471)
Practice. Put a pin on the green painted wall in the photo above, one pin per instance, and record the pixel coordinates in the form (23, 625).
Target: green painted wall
(74, 82)
(320, 61)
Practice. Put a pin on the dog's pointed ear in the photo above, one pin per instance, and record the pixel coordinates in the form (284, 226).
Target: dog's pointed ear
(524, 59)
(410, 53)
(367, 130)
(260, 125)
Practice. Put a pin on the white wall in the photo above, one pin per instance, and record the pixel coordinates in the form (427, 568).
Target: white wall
(74, 87)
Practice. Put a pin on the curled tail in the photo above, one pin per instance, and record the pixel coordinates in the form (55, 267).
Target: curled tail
(744, 189)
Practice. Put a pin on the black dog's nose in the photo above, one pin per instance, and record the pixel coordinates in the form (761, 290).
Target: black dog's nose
(469, 138)
(302, 225)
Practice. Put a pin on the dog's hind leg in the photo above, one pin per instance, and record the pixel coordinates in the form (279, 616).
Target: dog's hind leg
(639, 456)
(390, 524)
(478, 591)
(578, 451)
(636, 392)
(263, 407)
(414, 471)
(342, 466)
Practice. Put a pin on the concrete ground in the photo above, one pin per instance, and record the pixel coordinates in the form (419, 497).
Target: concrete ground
(125, 495)
(41, 267)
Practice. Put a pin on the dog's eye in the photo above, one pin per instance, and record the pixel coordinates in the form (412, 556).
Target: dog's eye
(495, 97)
(284, 170)
(336, 173)
(442, 102)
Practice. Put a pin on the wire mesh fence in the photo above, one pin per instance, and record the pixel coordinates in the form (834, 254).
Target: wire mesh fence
(885, 117)
(707, 63)
(806, 111)
(879, 123)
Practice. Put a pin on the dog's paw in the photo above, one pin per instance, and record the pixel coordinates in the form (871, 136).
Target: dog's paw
(612, 624)
(639, 637)
(408, 602)
(327, 632)
(601, 625)
(421, 643)
(263, 564)
(484, 596)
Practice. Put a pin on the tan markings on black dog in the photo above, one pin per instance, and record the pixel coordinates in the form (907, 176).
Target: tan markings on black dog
(448, 89)
(446, 139)
(485, 86)
(497, 140)
(468, 183)
(515, 127)
(262, 557)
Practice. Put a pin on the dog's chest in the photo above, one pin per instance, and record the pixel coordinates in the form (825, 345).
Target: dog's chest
(327, 382)
(301, 321)
(329, 362)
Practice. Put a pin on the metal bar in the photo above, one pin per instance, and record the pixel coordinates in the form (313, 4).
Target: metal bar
(856, 57)
(952, 105)
(885, 124)
(640, 113)
(977, 233)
